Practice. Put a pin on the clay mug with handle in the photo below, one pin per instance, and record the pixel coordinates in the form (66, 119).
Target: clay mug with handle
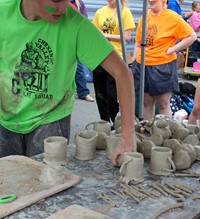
(161, 161)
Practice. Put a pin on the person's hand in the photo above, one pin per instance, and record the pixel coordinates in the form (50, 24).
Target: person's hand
(169, 51)
(126, 145)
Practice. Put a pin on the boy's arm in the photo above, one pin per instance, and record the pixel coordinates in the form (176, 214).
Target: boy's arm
(125, 90)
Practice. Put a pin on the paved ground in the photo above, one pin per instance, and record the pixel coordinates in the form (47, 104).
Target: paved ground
(86, 112)
(184, 78)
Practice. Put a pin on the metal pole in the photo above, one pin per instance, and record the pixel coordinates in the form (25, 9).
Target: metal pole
(119, 13)
(142, 69)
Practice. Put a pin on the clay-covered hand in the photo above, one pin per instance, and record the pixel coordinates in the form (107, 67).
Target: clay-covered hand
(126, 145)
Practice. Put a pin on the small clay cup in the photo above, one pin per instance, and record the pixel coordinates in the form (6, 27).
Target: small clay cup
(145, 147)
(112, 142)
(55, 150)
(132, 167)
(100, 126)
(101, 141)
(161, 161)
(85, 142)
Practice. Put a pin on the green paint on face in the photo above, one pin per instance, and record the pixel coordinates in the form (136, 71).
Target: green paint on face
(50, 9)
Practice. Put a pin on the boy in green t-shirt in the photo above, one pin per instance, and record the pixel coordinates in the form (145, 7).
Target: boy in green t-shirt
(40, 43)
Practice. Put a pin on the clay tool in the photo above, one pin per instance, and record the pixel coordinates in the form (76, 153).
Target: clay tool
(7, 198)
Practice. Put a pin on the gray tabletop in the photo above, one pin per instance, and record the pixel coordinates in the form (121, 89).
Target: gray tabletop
(98, 176)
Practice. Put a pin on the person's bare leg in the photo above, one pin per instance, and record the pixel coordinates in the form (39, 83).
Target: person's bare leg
(195, 114)
(164, 104)
(149, 106)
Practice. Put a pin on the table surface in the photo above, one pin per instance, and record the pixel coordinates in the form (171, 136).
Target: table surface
(99, 176)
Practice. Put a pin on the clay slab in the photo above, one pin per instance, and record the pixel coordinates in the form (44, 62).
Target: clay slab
(78, 212)
(20, 175)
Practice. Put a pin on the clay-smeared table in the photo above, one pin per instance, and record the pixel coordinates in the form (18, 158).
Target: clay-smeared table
(98, 176)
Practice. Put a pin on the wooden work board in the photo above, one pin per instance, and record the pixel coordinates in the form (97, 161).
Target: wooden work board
(20, 175)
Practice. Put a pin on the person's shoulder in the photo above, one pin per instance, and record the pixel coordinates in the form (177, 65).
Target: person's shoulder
(7, 2)
(195, 14)
(102, 8)
(172, 13)
(125, 8)
(74, 15)
(171, 16)
(6, 6)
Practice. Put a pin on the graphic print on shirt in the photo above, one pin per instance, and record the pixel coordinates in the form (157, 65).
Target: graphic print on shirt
(108, 25)
(32, 71)
(151, 33)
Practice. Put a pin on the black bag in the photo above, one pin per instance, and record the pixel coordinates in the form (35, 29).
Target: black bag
(187, 88)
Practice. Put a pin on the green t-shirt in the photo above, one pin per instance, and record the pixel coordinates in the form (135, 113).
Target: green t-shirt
(38, 63)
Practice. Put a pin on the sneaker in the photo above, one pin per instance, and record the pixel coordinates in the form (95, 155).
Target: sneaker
(88, 98)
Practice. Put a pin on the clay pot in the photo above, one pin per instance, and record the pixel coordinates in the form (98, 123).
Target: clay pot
(132, 167)
(174, 125)
(85, 142)
(157, 139)
(190, 150)
(181, 134)
(55, 150)
(145, 148)
(193, 129)
(112, 143)
(173, 144)
(182, 160)
(101, 141)
(162, 127)
(101, 126)
(140, 136)
(192, 139)
(161, 161)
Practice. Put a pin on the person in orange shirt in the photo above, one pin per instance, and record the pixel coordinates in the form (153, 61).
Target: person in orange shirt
(164, 28)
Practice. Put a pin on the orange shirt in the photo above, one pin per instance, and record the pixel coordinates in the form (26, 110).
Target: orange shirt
(163, 30)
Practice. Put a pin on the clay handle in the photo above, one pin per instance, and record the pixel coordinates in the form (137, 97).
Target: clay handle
(89, 124)
(121, 170)
(172, 164)
(75, 137)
